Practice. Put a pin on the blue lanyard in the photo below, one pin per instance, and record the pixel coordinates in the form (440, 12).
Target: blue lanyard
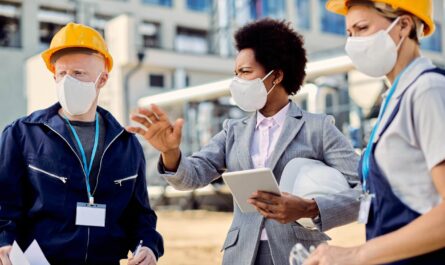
(87, 167)
(367, 154)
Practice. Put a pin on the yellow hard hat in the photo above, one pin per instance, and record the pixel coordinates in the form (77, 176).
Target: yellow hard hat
(77, 36)
(423, 9)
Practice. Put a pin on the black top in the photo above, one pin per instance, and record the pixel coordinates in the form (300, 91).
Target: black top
(86, 131)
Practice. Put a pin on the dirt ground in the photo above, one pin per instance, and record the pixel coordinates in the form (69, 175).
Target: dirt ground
(196, 237)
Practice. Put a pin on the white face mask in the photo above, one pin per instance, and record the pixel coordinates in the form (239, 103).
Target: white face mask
(76, 97)
(250, 95)
(374, 55)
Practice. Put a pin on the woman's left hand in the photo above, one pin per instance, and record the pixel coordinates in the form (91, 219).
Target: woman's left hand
(330, 255)
(284, 208)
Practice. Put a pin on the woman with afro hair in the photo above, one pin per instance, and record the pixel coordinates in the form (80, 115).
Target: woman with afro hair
(269, 67)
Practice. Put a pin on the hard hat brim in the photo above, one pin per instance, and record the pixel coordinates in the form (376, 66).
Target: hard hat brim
(47, 54)
(340, 7)
(337, 6)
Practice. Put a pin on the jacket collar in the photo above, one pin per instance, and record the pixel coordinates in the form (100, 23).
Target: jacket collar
(415, 69)
(244, 134)
(294, 111)
(50, 117)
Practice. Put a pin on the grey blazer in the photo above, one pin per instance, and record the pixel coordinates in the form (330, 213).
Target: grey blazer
(303, 135)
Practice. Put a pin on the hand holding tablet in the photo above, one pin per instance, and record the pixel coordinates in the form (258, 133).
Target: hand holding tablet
(243, 184)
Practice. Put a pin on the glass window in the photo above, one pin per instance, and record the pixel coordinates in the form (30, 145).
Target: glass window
(99, 22)
(434, 42)
(9, 26)
(47, 31)
(267, 8)
(191, 40)
(150, 33)
(156, 80)
(330, 22)
(199, 5)
(167, 3)
(304, 14)
(50, 22)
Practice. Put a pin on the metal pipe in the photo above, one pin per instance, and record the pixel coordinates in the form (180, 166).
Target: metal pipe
(140, 56)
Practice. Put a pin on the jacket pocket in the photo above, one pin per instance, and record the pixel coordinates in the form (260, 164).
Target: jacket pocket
(231, 239)
(49, 186)
(309, 235)
(120, 181)
(63, 179)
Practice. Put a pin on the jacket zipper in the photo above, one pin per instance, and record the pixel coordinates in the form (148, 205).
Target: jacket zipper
(119, 181)
(88, 244)
(72, 149)
(63, 179)
(97, 182)
(83, 170)
(101, 159)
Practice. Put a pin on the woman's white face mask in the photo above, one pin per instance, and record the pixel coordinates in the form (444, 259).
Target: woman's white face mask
(374, 55)
(76, 97)
(250, 95)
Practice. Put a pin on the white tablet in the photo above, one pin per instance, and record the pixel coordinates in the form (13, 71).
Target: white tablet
(243, 183)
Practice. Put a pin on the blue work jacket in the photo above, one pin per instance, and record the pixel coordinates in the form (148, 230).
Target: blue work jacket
(42, 180)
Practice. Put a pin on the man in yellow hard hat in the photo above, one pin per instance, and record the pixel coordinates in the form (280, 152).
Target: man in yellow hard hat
(72, 178)
(403, 166)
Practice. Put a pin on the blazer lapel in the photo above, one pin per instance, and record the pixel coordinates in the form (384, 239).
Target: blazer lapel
(243, 138)
(292, 125)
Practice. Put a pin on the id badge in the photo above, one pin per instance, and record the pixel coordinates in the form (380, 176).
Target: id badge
(365, 206)
(90, 214)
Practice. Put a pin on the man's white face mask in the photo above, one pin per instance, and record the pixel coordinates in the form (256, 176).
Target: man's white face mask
(75, 96)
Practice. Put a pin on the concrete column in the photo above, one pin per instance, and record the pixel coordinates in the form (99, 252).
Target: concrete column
(291, 12)
(179, 5)
(180, 77)
(120, 37)
(439, 17)
(316, 16)
(30, 28)
(168, 33)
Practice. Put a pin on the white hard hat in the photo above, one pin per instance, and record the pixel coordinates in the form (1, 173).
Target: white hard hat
(310, 178)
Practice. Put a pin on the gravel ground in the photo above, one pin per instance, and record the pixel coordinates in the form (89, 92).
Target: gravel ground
(196, 237)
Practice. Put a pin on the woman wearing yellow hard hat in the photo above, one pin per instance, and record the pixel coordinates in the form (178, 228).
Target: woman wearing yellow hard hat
(403, 166)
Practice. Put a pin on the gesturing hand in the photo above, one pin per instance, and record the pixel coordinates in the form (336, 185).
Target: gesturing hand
(158, 130)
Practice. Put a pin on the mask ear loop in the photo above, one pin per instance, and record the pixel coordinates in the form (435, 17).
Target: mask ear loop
(394, 23)
(391, 27)
(97, 79)
(401, 42)
(264, 78)
(274, 85)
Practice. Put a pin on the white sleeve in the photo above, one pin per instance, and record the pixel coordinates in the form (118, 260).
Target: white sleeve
(429, 124)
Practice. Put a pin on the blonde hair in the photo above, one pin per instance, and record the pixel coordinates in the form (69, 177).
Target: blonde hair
(387, 11)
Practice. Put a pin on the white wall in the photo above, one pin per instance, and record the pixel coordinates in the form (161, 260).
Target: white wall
(12, 94)
(40, 86)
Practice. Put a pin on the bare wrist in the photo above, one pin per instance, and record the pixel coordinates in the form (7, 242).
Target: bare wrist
(360, 255)
(312, 209)
(170, 159)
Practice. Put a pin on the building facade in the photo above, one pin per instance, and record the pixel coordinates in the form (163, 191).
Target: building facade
(164, 45)
(185, 31)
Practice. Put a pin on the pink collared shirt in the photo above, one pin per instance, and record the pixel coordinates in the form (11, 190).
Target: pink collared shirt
(265, 137)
